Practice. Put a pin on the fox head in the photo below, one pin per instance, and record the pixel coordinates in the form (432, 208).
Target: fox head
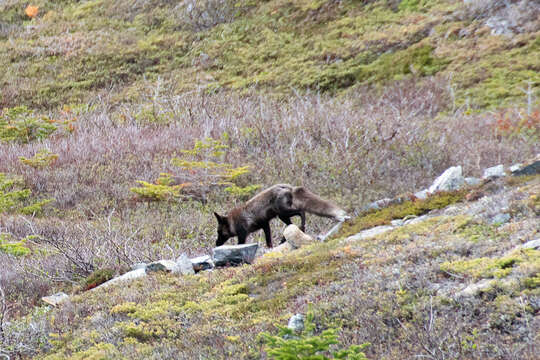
(224, 232)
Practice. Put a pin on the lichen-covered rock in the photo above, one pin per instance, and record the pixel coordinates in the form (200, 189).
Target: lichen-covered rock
(296, 323)
(184, 265)
(296, 237)
(55, 299)
(202, 263)
(163, 265)
(451, 179)
(494, 172)
(232, 255)
(134, 274)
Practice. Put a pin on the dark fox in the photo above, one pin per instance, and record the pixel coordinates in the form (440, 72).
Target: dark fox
(283, 201)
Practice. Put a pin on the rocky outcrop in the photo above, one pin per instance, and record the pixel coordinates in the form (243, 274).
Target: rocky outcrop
(232, 255)
(451, 179)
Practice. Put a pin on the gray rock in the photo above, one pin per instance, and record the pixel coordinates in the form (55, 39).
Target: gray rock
(476, 288)
(296, 237)
(369, 233)
(531, 169)
(202, 263)
(533, 244)
(184, 266)
(134, 274)
(416, 220)
(450, 179)
(515, 167)
(379, 204)
(296, 323)
(163, 265)
(422, 194)
(138, 266)
(397, 222)
(500, 219)
(472, 181)
(493, 172)
(55, 299)
(231, 255)
(330, 233)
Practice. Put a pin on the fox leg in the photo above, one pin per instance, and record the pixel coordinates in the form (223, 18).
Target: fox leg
(267, 235)
(242, 236)
(287, 220)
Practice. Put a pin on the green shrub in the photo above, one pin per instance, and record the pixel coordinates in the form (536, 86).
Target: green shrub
(288, 345)
(41, 159)
(14, 198)
(19, 124)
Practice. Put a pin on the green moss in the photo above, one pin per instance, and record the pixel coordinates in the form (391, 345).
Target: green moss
(97, 278)
(399, 211)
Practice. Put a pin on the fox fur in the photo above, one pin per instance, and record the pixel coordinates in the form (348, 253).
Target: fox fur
(283, 201)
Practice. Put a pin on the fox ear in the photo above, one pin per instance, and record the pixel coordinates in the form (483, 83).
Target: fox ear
(218, 217)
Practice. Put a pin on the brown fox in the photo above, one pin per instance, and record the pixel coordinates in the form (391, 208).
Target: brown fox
(283, 201)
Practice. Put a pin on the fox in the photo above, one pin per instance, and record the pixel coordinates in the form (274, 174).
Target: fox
(283, 201)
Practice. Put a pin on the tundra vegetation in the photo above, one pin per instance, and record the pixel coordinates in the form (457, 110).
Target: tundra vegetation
(125, 124)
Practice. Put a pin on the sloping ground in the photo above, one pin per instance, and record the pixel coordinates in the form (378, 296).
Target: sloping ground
(72, 51)
(407, 292)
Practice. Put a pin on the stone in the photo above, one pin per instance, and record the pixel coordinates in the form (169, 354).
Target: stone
(369, 233)
(331, 232)
(55, 299)
(397, 222)
(416, 220)
(202, 263)
(493, 172)
(450, 179)
(138, 266)
(515, 167)
(533, 244)
(134, 274)
(531, 169)
(296, 237)
(184, 266)
(296, 323)
(232, 255)
(423, 194)
(500, 219)
(379, 204)
(163, 265)
(472, 181)
(281, 248)
(475, 289)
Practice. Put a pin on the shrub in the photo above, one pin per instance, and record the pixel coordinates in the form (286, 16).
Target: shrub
(41, 159)
(288, 345)
(19, 124)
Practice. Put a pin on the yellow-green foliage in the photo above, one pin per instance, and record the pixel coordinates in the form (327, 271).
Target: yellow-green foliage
(14, 198)
(161, 190)
(41, 159)
(492, 267)
(19, 124)
(399, 211)
(16, 248)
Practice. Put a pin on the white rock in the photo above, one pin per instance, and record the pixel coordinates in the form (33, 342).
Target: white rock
(163, 265)
(134, 274)
(369, 233)
(450, 179)
(296, 237)
(226, 255)
(475, 289)
(202, 263)
(533, 244)
(330, 233)
(55, 299)
(515, 167)
(493, 172)
(397, 222)
(423, 194)
(184, 265)
(138, 266)
(472, 181)
(296, 323)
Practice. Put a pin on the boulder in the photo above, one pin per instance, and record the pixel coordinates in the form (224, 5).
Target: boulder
(369, 233)
(232, 255)
(55, 299)
(330, 233)
(531, 169)
(533, 244)
(138, 266)
(162, 265)
(202, 263)
(423, 194)
(134, 274)
(184, 265)
(450, 179)
(494, 172)
(472, 181)
(296, 323)
(296, 237)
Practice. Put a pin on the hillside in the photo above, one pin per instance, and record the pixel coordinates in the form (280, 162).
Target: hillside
(124, 125)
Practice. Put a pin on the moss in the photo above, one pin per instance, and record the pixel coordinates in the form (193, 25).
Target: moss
(97, 278)
(399, 211)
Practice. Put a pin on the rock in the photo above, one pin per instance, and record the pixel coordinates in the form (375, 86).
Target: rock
(533, 244)
(531, 169)
(296, 323)
(138, 266)
(369, 233)
(515, 167)
(226, 255)
(494, 172)
(472, 181)
(500, 219)
(416, 220)
(202, 263)
(184, 266)
(134, 274)
(423, 194)
(330, 233)
(163, 265)
(296, 237)
(379, 204)
(450, 179)
(55, 299)
(282, 248)
(397, 222)
(475, 289)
